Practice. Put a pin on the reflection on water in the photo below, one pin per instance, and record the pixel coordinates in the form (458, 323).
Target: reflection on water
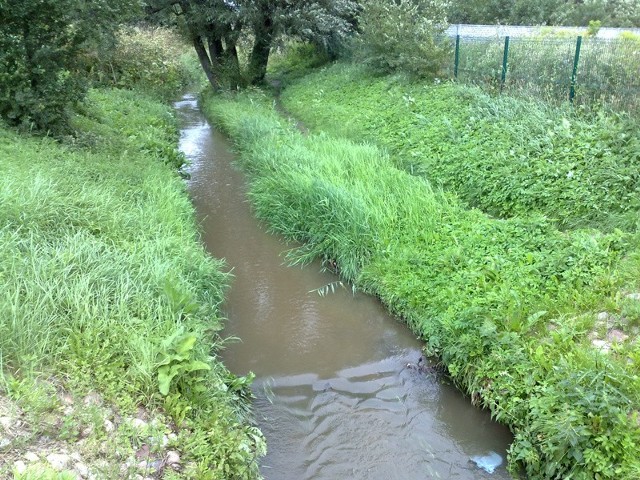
(335, 397)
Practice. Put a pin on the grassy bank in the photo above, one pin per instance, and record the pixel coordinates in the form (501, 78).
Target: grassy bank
(508, 305)
(508, 157)
(109, 311)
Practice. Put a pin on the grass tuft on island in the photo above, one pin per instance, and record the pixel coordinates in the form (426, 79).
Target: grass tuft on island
(110, 306)
(510, 306)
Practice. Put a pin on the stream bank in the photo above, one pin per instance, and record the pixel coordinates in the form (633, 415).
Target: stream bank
(337, 391)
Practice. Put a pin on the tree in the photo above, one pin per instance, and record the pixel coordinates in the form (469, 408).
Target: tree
(404, 35)
(216, 26)
(41, 47)
(612, 13)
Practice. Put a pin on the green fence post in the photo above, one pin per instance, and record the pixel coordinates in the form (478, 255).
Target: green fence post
(505, 59)
(457, 58)
(574, 73)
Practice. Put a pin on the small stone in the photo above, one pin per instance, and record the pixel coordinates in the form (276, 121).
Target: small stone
(6, 422)
(58, 461)
(92, 399)
(602, 345)
(173, 457)
(616, 336)
(138, 423)
(31, 457)
(76, 456)
(164, 441)
(4, 442)
(172, 437)
(633, 296)
(149, 466)
(109, 426)
(67, 399)
(86, 431)
(82, 469)
(20, 467)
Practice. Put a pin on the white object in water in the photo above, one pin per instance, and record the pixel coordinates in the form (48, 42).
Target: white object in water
(488, 462)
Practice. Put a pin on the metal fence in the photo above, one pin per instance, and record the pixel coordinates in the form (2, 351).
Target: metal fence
(590, 71)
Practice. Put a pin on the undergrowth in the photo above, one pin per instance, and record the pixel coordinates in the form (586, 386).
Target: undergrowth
(506, 304)
(506, 156)
(156, 61)
(105, 286)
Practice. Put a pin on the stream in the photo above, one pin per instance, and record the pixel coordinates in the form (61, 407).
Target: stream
(338, 395)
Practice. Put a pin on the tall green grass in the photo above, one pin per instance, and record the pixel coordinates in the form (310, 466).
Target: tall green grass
(103, 278)
(506, 156)
(505, 304)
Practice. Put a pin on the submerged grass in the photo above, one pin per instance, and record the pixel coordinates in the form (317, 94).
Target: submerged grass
(506, 156)
(105, 284)
(507, 305)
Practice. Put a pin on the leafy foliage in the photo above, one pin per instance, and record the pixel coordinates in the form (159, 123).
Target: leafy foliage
(177, 365)
(152, 60)
(612, 13)
(38, 51)
(41, 42)
(404, 35)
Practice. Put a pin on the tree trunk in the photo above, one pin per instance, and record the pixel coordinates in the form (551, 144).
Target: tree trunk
(210, 70)
(231, 59)
(261, 48)
(205, 62)
(216, 50)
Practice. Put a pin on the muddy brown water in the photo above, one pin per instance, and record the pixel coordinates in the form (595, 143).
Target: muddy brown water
(334, 396)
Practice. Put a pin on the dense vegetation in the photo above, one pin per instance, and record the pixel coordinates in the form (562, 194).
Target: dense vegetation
(99, 242)
(153, 60)
(509, 306)
(222, 31)
(107, 291)
(612, 13)
(507, 156)
(101, 269)
(44, 46)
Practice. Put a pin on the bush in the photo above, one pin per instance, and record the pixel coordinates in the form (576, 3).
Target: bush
(152, 60)
(404, 36)
(38, 52)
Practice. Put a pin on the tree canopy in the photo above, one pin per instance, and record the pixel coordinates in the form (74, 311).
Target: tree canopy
(216, 26)
(611, 13)
(42, 47)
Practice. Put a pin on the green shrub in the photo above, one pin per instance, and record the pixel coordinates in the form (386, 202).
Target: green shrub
(295, 59)
(152, 60)
(403, 36)
(38, 53)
